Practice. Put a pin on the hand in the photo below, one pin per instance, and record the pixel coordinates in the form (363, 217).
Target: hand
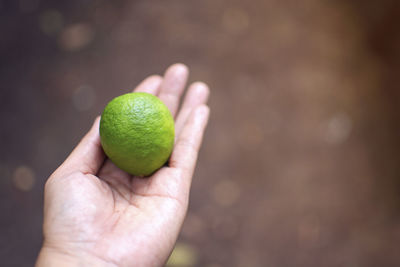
(98, 215)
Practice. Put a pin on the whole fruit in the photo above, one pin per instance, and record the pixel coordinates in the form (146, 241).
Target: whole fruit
(137, 133)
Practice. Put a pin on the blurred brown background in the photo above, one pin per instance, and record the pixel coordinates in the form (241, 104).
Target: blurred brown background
(300, 163)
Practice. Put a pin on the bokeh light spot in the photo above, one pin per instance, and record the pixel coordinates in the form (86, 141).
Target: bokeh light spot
(76, 37)
(24, 178)
(183, 255)
(226, 193)
(338, 129)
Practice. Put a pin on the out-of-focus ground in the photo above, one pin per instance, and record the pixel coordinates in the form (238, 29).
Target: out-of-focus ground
(300, 164)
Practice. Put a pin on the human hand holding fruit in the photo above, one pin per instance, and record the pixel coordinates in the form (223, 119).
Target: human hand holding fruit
(95, 214)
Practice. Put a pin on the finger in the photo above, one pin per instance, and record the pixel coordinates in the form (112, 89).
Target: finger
(88, 156)
(197, 95)
(150, 85)
(173, 85)
(185, 152)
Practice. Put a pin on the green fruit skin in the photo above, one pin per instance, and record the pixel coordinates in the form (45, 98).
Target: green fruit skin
(137, 133)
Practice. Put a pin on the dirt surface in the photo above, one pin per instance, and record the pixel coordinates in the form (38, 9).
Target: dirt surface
(300, 163)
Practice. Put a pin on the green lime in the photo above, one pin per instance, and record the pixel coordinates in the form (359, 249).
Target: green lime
(137, 133)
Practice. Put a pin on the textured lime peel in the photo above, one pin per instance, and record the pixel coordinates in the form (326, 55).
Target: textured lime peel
(137, 133)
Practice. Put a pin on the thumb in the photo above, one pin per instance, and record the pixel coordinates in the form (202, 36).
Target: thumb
(88, 156)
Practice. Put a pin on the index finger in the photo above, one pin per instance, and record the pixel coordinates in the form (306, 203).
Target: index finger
(150, 85)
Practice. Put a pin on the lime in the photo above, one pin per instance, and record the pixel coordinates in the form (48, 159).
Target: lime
(137, 133)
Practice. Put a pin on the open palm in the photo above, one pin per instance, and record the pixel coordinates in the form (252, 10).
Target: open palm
(99, 215)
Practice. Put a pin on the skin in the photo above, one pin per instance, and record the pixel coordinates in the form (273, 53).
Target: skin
(97, 215)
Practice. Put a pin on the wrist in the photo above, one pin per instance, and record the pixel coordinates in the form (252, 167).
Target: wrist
(49, 257)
